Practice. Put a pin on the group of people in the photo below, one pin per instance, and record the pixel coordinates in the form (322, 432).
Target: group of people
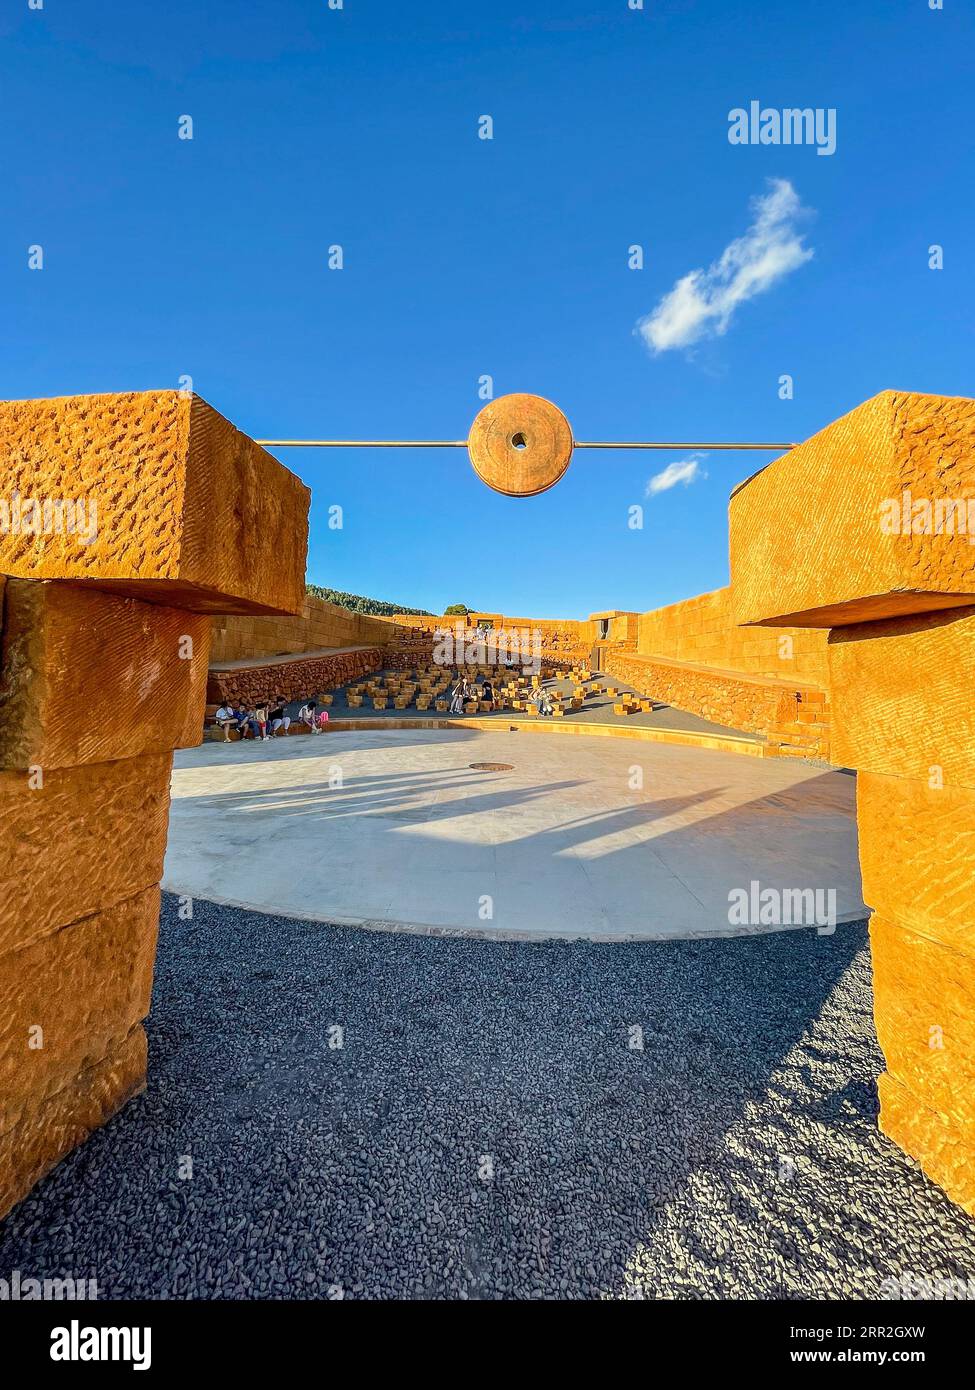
(543, 700)
(466, 690)
(264, 719)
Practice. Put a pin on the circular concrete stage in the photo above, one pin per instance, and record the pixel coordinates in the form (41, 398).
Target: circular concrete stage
(395, 829)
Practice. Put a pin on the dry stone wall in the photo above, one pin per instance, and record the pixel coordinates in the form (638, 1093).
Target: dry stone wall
(294, 680)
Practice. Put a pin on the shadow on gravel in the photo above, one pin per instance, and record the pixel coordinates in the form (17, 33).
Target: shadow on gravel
(486, 1130)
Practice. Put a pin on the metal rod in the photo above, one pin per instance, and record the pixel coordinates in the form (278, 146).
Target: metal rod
(363, 443)
(578, 444)
(462, 444)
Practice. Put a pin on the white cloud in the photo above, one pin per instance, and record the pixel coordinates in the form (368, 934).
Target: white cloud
(684, 471)
(702, 302)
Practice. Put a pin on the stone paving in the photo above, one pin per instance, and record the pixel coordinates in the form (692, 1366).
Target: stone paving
(580, 835)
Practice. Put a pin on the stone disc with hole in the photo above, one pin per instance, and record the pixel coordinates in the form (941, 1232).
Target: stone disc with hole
(520, 445)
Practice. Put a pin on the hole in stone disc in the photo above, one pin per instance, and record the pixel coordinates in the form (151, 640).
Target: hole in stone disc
(492, 767)
(519, 441)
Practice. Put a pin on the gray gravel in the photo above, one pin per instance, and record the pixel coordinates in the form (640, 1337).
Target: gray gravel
(736, 1155)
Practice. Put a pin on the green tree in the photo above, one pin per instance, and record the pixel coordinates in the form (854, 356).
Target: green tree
(457, 610)
(358, 604)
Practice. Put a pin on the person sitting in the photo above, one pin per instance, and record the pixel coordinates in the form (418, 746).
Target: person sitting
(322, 721)
(487, 693)
(248, 720)
(279, 717)
(226, 718)
(307, 715)
(543, 701)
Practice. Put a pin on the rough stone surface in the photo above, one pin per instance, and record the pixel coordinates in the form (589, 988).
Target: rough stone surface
(151, 511)
(189, 511)
(807, 544)
(703, 630)
(88, 838)
(520, 445)
(924, 1009)
(88, 677)
(295, 680)
(319, 625)
(739, 700)
(736, 1155)
(917, 854)
(945, 1151)
(84, 987)
(902, 696)
(829, 537)
(64, 1120)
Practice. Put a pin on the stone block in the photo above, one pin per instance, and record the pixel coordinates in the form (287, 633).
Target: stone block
(924, 1010)
(55, 1126)
(902, 696)
(943, 1149)
(83, 987)
(917, 856)
(89, 677)
(167, 503)
(85, 839)
(812, 538)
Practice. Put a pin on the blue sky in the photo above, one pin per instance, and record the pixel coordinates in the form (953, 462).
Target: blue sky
(508, 257)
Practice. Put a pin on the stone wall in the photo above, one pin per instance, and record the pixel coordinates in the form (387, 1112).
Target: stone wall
(104, 637)
(703, 630)
(563, 641)
(294, 680)
(794, 719)
(320, 624)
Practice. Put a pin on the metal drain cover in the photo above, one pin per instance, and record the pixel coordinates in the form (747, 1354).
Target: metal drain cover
(492, 767)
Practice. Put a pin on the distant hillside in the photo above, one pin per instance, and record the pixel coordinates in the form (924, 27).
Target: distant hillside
(358, 604)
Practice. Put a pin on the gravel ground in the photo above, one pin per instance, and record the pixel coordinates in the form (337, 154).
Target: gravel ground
(486, 1131)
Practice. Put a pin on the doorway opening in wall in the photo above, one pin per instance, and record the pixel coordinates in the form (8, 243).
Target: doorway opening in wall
(603, 628)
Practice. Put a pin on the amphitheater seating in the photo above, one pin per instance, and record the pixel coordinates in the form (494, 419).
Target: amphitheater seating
(427, 690)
